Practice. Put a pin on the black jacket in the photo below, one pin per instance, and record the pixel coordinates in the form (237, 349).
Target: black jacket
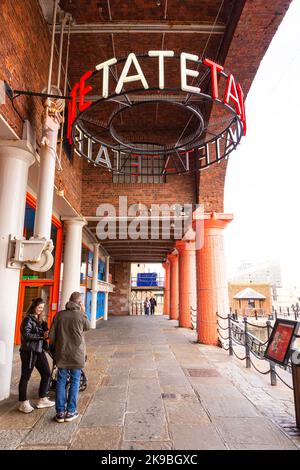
(32, 334)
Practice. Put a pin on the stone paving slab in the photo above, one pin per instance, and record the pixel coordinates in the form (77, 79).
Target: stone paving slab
(255, 431)
(185, 411)
(42, 447)
(16, 420)
(152, 445)
(48, 431)
(114, 380)
(98, 438)
(223, 401)
(12, 438)
(200, 437)
(104, 413)
(145, 427)
(140, 373)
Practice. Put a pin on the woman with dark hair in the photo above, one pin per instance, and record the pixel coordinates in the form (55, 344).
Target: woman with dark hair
(33, 342)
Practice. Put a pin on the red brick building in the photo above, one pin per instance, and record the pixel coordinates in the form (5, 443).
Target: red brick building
(63, 206)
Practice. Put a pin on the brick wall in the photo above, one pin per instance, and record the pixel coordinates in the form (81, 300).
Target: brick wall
(119, 299)
(97, 188)
(25, 50)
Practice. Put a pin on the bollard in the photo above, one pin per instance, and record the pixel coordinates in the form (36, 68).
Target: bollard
(247, 349)
(272, 366)
(296, 383)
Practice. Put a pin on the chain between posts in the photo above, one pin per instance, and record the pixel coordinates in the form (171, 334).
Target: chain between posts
(240, 335)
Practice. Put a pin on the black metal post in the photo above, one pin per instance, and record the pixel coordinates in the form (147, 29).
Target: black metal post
(272, 366)
(296, 383)
(229, 336)
(247, 349)
(275, 314)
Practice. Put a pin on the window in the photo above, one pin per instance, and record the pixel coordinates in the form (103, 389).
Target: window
(139, 168)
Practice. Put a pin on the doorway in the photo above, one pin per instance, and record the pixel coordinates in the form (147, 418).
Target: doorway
(28, 292)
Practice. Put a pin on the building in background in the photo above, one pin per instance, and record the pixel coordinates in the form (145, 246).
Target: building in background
(250, 300)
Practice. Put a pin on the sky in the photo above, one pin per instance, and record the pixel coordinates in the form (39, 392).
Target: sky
(262, 187)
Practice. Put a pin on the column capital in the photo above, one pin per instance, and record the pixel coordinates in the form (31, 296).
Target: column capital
(172, 256)
(80, 221)
(166, 264)
(185, 246)
(212, 219)
(20, 149)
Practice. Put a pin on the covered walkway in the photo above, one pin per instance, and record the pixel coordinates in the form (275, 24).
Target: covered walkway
(151, 386)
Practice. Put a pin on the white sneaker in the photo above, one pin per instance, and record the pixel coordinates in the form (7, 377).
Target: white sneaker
(45, 403)
(25, 407)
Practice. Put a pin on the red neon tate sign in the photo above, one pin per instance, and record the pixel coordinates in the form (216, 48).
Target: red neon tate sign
(233, 93)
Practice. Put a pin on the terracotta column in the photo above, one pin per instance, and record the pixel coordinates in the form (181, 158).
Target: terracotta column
(166, 266)
(212, 288)
(187, 281)
(174, 297)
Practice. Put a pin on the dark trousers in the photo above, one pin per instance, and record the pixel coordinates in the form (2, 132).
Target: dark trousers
(152, 309)
(31, 360)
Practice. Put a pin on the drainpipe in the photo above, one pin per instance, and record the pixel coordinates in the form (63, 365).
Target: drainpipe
(51, 121)
(106, 293)
(94, 286)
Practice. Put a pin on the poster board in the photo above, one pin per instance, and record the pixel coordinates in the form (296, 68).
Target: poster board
(281, 340)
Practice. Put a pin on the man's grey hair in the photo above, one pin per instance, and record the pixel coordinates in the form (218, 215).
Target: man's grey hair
(75, 297)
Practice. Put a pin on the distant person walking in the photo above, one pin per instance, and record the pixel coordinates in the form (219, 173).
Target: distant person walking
(147, 306)
(152, 305)
(66, 334)
(33, 343)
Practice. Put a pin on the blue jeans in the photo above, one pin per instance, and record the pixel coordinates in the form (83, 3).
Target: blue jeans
(61, 390)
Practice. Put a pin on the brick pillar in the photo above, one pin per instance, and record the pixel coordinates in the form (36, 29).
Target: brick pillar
(174, 291)
(187, 281)
(120, 298)
(166, 265)
(212, 289)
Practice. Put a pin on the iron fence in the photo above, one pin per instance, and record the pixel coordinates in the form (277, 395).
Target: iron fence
(239, 336)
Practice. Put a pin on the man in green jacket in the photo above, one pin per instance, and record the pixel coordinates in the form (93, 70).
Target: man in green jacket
(66, 335)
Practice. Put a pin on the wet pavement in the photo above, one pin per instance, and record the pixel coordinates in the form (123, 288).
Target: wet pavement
(151, 386)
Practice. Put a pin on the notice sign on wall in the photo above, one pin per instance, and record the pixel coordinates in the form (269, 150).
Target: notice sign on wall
(281, 340)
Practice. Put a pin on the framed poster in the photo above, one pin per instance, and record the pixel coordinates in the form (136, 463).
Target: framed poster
(280, 341)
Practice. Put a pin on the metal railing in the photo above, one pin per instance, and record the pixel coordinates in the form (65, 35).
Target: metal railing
(281, 312)
(137, 308)
(238, 336)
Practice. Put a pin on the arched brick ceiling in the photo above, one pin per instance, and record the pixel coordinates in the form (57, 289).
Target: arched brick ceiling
(247, 28)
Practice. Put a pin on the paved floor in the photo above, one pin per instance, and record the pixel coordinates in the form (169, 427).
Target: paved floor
(152, 387)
